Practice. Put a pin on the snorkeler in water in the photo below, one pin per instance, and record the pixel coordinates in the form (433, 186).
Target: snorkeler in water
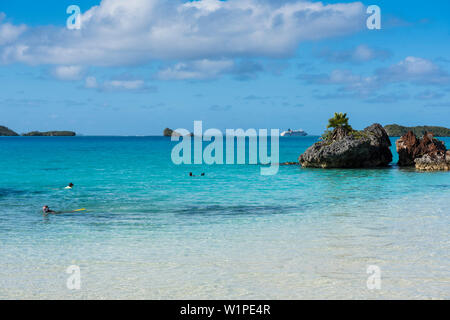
(47, 210)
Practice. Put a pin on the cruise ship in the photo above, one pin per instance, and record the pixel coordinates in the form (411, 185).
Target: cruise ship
(294, 133)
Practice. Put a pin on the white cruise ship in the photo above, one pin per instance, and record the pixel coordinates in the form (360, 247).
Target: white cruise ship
(294, 133)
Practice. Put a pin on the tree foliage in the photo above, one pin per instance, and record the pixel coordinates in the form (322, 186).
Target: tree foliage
(340, 120)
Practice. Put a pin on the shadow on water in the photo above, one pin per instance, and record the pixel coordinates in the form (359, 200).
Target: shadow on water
(5, 192)
(236, 210)
(9, 192)
(440, 186)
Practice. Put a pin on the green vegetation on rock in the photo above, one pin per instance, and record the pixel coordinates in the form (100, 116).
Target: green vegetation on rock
(340, 120)
(395, 130)
(340, 126)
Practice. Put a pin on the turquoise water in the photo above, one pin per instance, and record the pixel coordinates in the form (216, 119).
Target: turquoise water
(153, 232)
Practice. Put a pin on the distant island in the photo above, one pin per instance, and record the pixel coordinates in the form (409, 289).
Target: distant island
(395, 130)
(50, 134)
(169, 133)
(6, 132)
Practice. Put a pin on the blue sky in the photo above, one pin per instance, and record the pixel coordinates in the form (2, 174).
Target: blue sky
(136, 67)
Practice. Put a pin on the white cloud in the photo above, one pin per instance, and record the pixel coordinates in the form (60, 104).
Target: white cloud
(361, 53)
(429, 95)
(91, 83)
(132, 85)
(68, 72)
(196, 70)
(137, 31)
(347, 80)
(412, 70)
(124, 84)
(392, 97)
(211, 69)
(416, 66)
(9, 32)
(416, 70)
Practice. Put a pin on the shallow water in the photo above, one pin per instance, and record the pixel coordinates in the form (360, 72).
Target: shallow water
(153, 232)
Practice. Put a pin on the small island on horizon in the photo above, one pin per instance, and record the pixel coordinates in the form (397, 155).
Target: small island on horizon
(6, 132)
(395, 130)
(50, 134)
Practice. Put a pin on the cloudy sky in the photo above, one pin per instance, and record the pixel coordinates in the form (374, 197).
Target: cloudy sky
(138, 66)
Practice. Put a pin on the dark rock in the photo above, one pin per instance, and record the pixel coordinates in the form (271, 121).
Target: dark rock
(339, 133)
(410, 148)
(50, 134)
(167, 132)
(356, 149)
(4, 131)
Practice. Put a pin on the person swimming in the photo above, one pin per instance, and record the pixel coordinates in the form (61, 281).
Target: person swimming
(193, 175)
(70, 186)
(47, 210)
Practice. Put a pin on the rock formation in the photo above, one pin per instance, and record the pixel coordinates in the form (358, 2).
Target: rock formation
(169, 132)
(410, 148)
(350, 149)
(427, 153)
(4, 131)
(434, 162)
